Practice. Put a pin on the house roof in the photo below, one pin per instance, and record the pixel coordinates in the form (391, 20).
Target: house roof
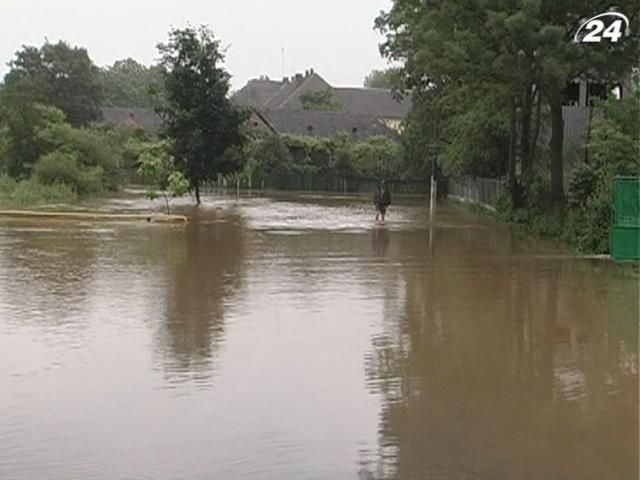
(146, 118)
(378, 102)
(285, 95)
(322, 124)
(256, 92)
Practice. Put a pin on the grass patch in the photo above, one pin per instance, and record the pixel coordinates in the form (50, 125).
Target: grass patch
(23, 193)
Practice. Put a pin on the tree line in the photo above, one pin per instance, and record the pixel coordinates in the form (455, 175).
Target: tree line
(52, 133)
(489, 81)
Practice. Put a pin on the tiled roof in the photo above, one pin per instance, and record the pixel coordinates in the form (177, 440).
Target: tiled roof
(378, 102)
(256, 93)
(322, 124)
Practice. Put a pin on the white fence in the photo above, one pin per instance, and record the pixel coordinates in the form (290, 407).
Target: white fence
(485, 191)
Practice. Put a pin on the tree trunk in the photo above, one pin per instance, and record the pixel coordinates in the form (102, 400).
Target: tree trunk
(556, 144)
(525, 134)
(197, 188)
(513, 184)
(536, 132)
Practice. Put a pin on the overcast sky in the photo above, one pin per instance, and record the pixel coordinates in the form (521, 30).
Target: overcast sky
(335, 37)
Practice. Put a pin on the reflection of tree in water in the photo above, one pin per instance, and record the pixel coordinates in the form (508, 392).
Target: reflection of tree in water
(49, 270)
(201, 285)
(490, 373)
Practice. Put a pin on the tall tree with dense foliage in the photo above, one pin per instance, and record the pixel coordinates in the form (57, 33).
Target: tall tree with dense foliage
(128, 83)
(390, 78)
(59, 75)
(522, 51)
(199, 121)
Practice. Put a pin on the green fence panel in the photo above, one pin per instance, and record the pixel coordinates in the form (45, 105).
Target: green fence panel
(625, 231)
(626, 201)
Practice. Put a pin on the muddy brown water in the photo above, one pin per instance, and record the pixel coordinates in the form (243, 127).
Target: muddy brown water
(290, 338)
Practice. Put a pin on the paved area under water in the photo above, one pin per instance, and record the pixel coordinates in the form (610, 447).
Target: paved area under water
(291, 338)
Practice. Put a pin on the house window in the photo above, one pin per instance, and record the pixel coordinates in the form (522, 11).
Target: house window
(354, 130)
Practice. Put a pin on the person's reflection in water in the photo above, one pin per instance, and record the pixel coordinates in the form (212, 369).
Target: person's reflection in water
(380, 241)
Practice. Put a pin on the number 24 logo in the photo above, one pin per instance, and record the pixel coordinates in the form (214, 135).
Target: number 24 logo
(595, 26)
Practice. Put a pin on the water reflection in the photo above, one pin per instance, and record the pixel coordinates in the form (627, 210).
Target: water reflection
(201, 282)
(291, 339)
(506, 370)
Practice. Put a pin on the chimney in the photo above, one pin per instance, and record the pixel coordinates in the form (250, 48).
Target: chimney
(306, 73)
(299, 78)
(311, 72)
(285, 80)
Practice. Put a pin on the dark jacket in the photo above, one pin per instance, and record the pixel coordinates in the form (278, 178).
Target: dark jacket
(382, 197)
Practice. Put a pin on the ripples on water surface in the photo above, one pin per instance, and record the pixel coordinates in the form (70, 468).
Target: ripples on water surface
(289, 338)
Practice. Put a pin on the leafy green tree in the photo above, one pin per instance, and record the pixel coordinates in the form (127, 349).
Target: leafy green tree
(322, 100)
(523, 50)
(270, 156)
(160, 175)
(199, 121)
(58, 75)
(128, 83)
(614, 149)
(391, 78)
(21, 123)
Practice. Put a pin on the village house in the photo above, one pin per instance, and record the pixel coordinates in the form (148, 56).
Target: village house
(277, 107)
(266, 96)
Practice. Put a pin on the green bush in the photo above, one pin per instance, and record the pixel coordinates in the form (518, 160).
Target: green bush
(58, 167)
(15, 193)
(61, 167)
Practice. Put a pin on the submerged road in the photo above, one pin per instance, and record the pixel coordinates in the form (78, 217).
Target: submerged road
(292, 338)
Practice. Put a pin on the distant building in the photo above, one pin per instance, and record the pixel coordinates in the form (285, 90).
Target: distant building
(276, 107)
(324, 124)
(264, 94)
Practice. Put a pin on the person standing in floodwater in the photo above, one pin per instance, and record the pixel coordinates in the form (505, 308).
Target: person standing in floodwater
(382, 200)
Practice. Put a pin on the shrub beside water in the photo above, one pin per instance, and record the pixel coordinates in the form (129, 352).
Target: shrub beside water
(14, 193)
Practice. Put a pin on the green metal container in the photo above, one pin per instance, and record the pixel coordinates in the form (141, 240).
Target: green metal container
(625, 231)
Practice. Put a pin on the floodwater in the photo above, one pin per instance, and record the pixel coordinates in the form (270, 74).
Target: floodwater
(290, 338)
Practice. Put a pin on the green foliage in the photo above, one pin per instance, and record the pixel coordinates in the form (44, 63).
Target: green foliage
(614, 150)
(269, 155)
(128, 83)
(92, 149)
(377, 157)
(200, 122)
(60, 76)
(322, 100)
(60, 167)
(161, 178)
(492, 64)
(21, 124)
(391, 78)
(277, 157)
(19, 193)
